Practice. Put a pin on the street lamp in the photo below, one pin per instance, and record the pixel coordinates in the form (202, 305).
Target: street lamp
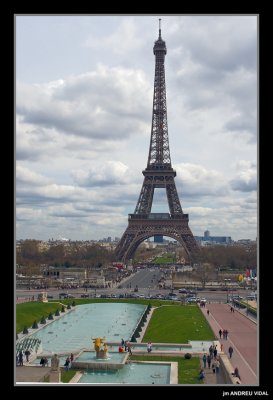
(227, 288)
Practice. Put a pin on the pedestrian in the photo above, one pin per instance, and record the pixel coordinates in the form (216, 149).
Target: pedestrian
(125, 345)
(230, 309)
(149, 347)
(21, 358)
(201, 374)
(71, 357)
(233, 309)
(45, 362)
(211, 351)
(42, 362)
(230, 350)
(205, 360)
(27, 354)
(222, 346)
(66, 364)
(220, 333)
(122, 342)
(208, 360)
(215, 352)
(208, 312)
(129, 348)
(236, 373)
(226, 334)
(217, 366)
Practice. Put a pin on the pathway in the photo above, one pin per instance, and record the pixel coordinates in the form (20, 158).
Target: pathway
(242, 337)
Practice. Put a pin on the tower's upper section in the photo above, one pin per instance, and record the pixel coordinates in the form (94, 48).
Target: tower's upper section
(159, 154)
(160, 46)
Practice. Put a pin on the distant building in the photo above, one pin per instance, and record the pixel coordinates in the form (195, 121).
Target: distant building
(209, 240)
(158, 238)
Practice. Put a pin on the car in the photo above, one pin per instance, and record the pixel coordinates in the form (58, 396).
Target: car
(69, 296)
(50, 297)
(183, 290)
(84, 295)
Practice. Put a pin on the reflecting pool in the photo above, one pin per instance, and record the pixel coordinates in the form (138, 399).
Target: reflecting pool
(74, 330)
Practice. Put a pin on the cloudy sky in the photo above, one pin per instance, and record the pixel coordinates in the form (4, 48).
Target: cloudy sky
(84, 92)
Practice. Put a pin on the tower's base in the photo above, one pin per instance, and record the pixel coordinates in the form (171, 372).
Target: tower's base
(140, 229)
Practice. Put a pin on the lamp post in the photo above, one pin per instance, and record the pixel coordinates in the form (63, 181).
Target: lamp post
(227, 288)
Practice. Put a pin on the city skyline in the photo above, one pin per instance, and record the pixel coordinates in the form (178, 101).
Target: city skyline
(84, 96)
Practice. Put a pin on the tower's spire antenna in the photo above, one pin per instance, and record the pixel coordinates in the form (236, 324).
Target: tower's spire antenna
(159, 28)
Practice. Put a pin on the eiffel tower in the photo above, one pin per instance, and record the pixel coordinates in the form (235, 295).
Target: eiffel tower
(158, 174)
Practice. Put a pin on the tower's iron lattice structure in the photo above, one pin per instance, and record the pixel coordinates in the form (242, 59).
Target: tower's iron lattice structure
(158, 174)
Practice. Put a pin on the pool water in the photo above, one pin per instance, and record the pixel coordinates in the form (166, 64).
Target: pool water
(74, 330)
(132, 373)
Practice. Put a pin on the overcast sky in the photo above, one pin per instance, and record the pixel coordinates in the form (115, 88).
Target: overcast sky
(84, 92)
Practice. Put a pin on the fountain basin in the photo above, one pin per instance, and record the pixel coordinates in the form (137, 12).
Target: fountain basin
(87, 359)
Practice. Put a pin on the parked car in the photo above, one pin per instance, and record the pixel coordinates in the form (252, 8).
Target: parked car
(84, 295)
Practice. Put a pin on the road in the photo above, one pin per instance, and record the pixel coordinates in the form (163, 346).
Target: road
(144, 278)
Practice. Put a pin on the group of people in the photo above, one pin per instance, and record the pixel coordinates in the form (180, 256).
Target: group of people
(68, 362)
(223, 333)
(44, 362)
(20, 357)
(125, 346)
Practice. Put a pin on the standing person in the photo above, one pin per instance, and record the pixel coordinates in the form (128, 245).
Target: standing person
(129, 348)
(126, 345)
(205, 360)
(207, 312)
(208, 360)
(149, 347)
(217, 366)
(21, 358)
(230, 350)
(27, 354)
(71, 357)
(226, 334)
(211, 351)
(215, 352)
(66, 364)
(122, 343)
(222, 346)
(220, 333)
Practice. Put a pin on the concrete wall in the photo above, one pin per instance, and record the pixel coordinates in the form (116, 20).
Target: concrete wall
(227, 370)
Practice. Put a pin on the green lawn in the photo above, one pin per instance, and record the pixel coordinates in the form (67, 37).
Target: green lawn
(66, 376)
(26, 313)
(188, 370)
(178, 324)
(168, 258)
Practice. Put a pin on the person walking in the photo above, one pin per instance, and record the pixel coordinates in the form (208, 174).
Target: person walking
(230, 350)
(207, 312)
(220, 333)
(204, 360)
(217, 366)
